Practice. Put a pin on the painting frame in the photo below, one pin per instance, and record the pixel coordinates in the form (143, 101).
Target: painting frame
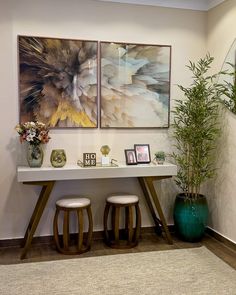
(130, 157)
(118, 112)
(63, 94)
(143, 154)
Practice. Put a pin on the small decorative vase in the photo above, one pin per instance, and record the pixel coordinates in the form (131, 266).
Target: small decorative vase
(58, 158)
(35, 155)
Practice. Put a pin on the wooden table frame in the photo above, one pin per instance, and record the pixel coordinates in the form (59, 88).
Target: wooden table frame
(47, 187)
(153, 203)
(147, 186)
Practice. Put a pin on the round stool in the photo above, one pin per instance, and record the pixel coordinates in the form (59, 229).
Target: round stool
(68, 205)
(131, 236)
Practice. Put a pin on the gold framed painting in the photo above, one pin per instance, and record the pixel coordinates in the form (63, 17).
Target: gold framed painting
(135, 85)
(58, 81)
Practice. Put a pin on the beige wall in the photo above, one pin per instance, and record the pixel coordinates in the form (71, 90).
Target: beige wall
(221, 34)
(185, 30)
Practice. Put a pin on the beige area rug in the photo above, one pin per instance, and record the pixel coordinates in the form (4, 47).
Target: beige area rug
(184, 271)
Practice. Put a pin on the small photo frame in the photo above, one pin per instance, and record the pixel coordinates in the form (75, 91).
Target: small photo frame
(130, 157)
(142, 152)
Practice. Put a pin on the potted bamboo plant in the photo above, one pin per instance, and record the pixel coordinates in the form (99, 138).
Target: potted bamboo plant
(195, 130)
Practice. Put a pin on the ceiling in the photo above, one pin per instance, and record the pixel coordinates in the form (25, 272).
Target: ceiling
(185, 4)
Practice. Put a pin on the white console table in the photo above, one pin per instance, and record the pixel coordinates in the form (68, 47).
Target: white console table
(47, 176)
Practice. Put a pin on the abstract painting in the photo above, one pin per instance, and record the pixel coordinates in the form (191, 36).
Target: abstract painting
(58, 81)
(135, 85)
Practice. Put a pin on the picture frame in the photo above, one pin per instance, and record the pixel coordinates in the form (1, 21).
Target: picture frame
(130, 157)
(142, 152)
(134, 85)
(58, 81)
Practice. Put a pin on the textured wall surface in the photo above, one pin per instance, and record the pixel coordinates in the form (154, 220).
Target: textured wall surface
(184, 30)
(222, 192)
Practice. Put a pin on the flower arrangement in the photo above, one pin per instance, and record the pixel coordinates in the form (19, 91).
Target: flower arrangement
(33, 132)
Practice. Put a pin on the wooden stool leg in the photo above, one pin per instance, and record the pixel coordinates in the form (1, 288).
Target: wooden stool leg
(105, 219)
(90, 228)
(80, 228)
(138, 223)
(55, 229)
(130, 224)
(113, 214)
(66, 230)
(116, 224)
(126, 219)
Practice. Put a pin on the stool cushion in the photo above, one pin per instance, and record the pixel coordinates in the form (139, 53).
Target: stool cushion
(122, 199)
(73, 202)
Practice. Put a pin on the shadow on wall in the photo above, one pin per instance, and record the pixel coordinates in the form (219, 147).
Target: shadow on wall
(16, 208)
(167, 190)
(17, 151)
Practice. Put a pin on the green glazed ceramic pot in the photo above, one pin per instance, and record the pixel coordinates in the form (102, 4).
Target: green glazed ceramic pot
(160, 157)
(190, 217)
(35, 155)
(58, 158)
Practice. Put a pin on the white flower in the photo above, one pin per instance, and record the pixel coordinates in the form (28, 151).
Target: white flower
(30, 135)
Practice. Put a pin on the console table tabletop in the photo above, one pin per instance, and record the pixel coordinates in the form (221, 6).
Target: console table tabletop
(69, 172)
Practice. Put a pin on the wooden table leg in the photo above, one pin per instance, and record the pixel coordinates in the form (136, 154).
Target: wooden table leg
(150, 205)
(147, 182)
(47, 187)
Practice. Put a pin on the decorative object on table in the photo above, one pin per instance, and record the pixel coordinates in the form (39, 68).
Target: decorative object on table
(35, 134)
(135, 85)
(142, 152)
(196, 128)
(227, 79)
(58, 81)
(113, 163)
(89, 159)
(35, 155)
(58, 158)
(160, 157)
(105, 150)
(130, 157)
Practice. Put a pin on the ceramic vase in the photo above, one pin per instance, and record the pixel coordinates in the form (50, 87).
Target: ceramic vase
(58, 158)
(35, 155)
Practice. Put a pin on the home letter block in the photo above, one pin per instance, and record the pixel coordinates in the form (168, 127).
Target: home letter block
(89, 159)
